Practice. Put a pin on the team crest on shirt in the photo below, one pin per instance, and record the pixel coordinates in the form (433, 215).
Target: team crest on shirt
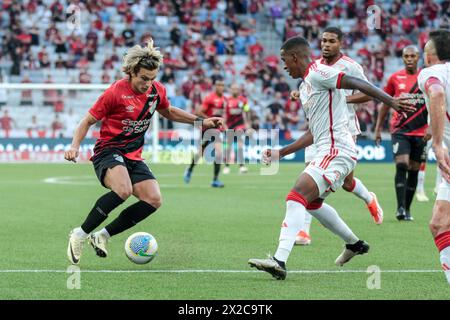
(130, 108)
(118, 157)
(402, 86)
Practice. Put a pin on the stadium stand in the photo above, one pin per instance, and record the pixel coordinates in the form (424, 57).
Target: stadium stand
(41, 41)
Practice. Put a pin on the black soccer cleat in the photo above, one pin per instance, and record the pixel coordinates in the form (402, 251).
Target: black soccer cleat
(400, 214)
(351, 250)
(408, 216)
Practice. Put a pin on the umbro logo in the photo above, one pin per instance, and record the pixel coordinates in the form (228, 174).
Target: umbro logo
(130, 108)
(118, 158)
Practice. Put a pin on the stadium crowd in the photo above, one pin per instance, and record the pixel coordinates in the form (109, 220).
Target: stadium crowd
(79, 41)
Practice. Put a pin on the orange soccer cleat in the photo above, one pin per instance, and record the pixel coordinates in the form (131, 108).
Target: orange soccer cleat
(375, 209)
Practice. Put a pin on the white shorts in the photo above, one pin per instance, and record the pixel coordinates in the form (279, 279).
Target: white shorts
(329, 170)
(443, 191)
(310, 153)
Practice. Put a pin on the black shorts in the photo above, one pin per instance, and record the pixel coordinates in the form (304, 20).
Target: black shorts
(137, 170)
(414, 146)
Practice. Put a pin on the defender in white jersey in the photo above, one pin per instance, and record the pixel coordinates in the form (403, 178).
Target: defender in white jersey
(434, 82)
(326, 109)
(331, 44)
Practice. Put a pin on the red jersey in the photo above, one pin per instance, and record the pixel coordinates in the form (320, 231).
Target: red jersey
(126, 116)
(235, 109)
(213, 105)
(403, 84)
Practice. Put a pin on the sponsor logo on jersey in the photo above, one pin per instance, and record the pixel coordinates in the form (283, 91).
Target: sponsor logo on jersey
(151, 95)
(127, 97)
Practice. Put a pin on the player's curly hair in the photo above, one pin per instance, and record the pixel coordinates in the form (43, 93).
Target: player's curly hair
(137, 57)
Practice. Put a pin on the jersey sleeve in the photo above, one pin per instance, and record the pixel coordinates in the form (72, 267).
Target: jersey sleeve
(103, 105)
(325, 77)
(389, 88)
(163, 100)
(358, 72)
(425, 79)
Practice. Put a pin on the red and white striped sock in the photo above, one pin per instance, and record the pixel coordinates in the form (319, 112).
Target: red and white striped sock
(443, 244)
(293, 221)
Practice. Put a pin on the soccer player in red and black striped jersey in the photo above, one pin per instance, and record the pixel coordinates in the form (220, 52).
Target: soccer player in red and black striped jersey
(125, 109)
(408, 133)
(212, 106)
(236, 120)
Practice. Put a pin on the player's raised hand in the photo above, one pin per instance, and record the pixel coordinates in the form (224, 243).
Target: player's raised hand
(71, 154)
(443, 160)
(213, 122)
(295, 95)
(270, 155)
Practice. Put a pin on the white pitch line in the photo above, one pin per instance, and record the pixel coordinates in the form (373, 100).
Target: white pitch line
(212, 271)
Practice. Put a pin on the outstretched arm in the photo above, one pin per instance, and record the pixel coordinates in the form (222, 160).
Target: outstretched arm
(178, 115)
(358, 98)
(304, 141)
(80, 134)
(398, 104)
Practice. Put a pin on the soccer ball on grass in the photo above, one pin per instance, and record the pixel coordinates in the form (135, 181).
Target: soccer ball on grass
(141, 247)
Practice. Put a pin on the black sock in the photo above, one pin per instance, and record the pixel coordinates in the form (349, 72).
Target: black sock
(104, 205)
(191, 167)
(129, 217)
(411, 184)
(216, 170)
(400, 183)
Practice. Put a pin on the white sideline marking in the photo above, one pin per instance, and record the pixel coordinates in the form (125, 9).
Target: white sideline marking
(212, 271)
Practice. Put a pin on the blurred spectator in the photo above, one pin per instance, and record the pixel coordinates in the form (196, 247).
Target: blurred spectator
(57, 127)
(50, 95)
(3, 92)
(6, 124)
(26, 94)
(178, 100)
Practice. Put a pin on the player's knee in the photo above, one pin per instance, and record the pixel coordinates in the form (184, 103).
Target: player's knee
(123, 191)
(154, 200)
(349, 185)
(438, 224)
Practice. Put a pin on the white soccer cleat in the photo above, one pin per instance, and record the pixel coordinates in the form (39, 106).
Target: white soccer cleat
(269, 265)
(303, 239)
(226, 170)
(421, 196)
(75, 247)
(243, 169)
(98, 241)
(351, 250)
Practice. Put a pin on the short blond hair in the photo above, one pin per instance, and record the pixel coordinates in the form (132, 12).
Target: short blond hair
(137, 57)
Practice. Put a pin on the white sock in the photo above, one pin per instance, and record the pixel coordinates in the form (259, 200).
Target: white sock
(293, 222)
(445, 259)
(105, 233)
(307, 225)
(330, 219)
(420, 182)
(80, 233)
(361, 191)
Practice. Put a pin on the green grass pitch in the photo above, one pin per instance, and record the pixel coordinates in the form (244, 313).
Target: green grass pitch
(205, 238)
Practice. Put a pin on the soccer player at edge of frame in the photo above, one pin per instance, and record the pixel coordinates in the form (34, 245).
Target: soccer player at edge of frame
(434, 83)
(125, 109)
(325, 107)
